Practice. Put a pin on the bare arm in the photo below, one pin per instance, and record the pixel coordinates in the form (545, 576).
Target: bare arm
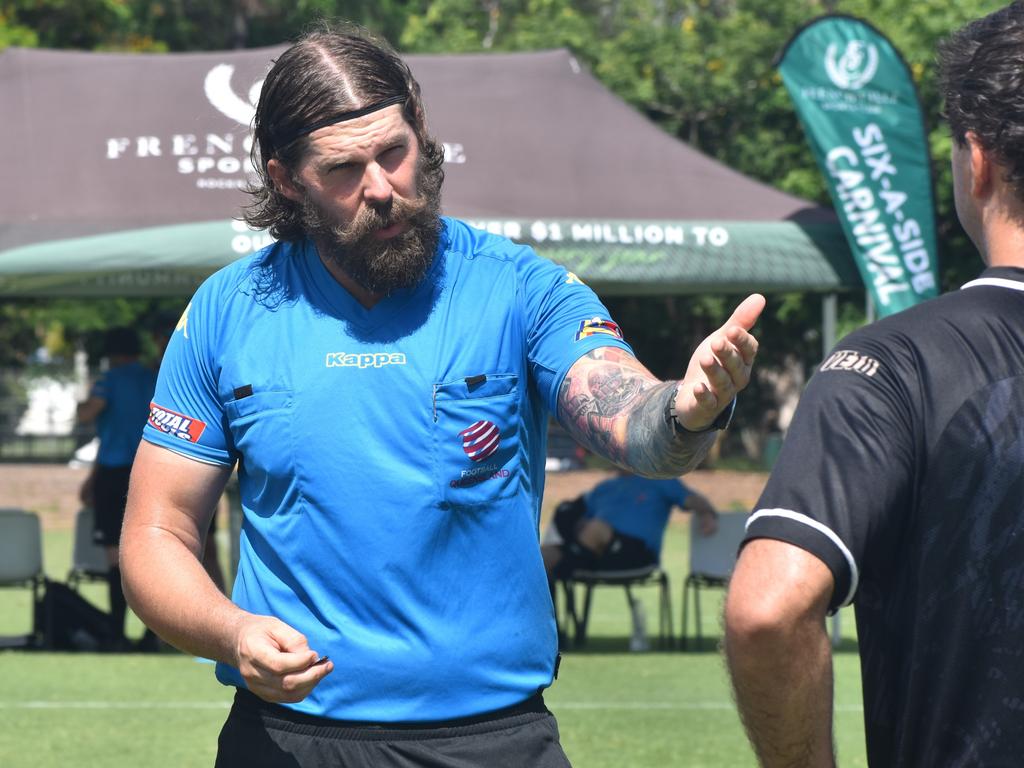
(778, 653)
(170, 503)
(705, 511)
(615, 407)
(88, 410)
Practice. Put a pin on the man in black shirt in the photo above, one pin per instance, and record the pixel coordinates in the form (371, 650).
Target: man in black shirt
(900, 488)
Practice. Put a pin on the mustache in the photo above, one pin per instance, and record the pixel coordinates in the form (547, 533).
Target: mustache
(370, 219)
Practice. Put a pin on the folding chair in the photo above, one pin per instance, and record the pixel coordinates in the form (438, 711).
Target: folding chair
(651, 574)
(712, 559)
(88, 559)
(21, 565)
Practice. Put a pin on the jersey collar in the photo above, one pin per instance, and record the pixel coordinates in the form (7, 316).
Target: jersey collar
(999, 277)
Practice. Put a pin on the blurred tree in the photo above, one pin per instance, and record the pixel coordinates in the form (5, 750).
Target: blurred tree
(85, 24)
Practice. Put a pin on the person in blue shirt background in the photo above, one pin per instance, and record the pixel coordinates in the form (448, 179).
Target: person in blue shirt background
(620, 524)
(382, 376)
(118, 403)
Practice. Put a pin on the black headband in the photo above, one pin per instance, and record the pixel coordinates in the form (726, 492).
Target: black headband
(288, 138)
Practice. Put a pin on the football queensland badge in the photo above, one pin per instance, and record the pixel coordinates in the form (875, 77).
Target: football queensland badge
(596, 326)
(480, 440)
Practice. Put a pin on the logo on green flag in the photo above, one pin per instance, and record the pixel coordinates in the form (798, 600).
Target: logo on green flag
(859, 108)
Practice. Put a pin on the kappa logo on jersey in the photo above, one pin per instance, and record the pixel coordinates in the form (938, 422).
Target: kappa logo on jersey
(480, 440)
(571, 278)
(365, 360)
(177, 424)
(596, 325)
(848, 360)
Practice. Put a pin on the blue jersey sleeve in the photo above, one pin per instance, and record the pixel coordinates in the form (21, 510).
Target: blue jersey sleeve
(677, 492)
(101, 388)
(565, 320)
(187, 413)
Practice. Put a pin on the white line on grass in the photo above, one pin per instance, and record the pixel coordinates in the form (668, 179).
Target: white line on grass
(557, 705)
(684, 705)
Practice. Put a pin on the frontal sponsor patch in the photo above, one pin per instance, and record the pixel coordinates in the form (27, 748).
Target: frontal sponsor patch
(173, 423)
(848, 360)
(597, 325)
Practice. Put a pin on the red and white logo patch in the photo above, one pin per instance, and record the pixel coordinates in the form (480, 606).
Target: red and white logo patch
(480, 440)
(177, 424)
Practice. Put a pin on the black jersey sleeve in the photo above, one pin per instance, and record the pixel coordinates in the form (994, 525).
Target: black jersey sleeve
(846, 463)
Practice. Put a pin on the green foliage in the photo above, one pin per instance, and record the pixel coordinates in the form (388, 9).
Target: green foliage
(88, 24)
(181, 25)
(63, 325)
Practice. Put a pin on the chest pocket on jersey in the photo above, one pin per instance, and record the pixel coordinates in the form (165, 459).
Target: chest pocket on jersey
(261, 426)
(476, 439)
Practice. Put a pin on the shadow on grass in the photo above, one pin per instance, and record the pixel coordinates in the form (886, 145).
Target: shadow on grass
(598, 645)
(603, 645)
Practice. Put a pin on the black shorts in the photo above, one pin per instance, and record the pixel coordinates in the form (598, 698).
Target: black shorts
(110, 494)
(625, 553)
(262, 735)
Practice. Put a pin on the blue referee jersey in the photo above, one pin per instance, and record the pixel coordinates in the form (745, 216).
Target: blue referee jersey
(391, 463)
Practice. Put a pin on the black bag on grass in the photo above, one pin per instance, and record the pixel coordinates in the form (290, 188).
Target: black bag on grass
(69, 622)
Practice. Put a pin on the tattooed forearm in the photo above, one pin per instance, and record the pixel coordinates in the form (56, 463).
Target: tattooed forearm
(615, 407)
(653, 447)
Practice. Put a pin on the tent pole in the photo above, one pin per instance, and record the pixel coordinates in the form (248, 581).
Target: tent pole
(829, 306)
(828, 323)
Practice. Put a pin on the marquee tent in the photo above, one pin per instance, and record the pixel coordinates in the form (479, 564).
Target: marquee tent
(125, 175)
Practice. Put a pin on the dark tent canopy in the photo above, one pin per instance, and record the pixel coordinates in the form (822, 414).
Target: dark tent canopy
(125, 175)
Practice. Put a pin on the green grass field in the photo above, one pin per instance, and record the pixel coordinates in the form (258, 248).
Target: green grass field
(616, 709)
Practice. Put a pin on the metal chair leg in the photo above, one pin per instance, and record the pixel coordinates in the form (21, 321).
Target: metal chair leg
(684, 638)
(696, 605)
(581, 626)
(665, 634)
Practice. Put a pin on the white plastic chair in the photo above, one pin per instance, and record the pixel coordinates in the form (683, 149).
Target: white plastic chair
(21, 563)
(88, 559)
(712, 560)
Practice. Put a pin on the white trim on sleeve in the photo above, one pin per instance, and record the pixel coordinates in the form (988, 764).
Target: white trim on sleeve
(821, 528)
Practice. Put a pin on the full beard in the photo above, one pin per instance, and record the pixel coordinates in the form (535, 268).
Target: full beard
(382, 266)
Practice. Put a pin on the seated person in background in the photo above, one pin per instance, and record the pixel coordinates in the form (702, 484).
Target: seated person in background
(619, 525)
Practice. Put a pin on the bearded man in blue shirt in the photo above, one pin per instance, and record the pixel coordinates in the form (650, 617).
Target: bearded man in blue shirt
(382, 376)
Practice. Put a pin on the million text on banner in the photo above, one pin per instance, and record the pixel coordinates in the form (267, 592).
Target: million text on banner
(860, 110)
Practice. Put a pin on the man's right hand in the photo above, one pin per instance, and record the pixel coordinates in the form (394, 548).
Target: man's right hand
(276, 661)
(707, 523)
